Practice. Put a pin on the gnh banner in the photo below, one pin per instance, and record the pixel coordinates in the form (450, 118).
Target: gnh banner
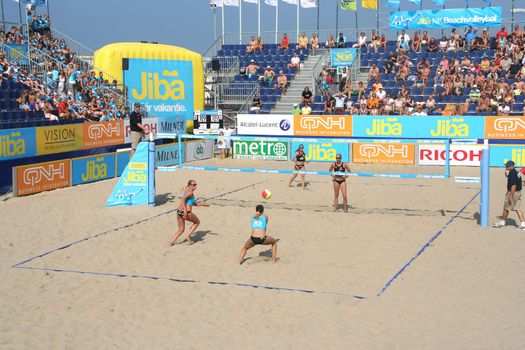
(487, 16)
(137, 184)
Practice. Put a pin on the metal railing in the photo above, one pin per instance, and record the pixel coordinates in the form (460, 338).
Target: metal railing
(78, 48)
(245, 107)
(228, 64)
(236, 93)
(214, 48)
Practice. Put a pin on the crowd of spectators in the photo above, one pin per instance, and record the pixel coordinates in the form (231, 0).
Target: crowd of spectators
(59, 87)
(484, 73)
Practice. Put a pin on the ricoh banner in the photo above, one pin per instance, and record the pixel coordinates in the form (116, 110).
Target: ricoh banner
(449, 18)
(460, 155)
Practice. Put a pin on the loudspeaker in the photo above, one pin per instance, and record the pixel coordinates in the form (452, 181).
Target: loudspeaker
(215, 65)
(125, 63)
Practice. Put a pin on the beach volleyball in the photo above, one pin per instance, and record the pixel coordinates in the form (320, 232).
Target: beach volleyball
(266, 194)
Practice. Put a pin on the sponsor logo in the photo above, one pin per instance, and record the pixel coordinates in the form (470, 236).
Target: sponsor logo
(135, 177)
(518, 156)
(454, 127)
(322, 125)
(265, 150)
(96, 169)
(383, 153)
(55, 139)
(151, 126)
(284, 125)
(323, 152)
(103, 134)
(42, 177)
(199, 150)
(155, 88)
(382, 127)
(467, 155)
(12, 145)
(505, 127)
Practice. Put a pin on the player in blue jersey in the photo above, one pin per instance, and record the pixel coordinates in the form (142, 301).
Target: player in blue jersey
(259, 225)
(184, 213)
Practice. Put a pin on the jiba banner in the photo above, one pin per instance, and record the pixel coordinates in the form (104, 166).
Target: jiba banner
(449, 18)
(342, 57)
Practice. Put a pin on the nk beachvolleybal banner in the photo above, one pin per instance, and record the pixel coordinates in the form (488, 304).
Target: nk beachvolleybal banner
(448, 18)
(342, 57)
(137, 183)
(164, 88)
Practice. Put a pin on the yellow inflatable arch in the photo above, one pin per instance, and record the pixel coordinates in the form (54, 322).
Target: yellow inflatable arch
(157, 60)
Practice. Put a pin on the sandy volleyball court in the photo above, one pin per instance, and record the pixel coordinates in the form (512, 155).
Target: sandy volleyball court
(126, 288)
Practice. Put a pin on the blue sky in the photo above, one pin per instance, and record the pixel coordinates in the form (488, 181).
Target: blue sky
(189, 23)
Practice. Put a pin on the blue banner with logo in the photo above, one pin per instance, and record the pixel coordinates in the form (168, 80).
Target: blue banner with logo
(322, 152)
(168, 155)
(342, 57)
(122, 161)
(500, 154)
(17, 143)
(471, 127)
(89, 169)
(16, 52)
(165, 88)
(136, 183)
(449, 18)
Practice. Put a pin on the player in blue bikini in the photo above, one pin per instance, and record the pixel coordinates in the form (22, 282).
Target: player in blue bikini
(259, 225)
(187, 201)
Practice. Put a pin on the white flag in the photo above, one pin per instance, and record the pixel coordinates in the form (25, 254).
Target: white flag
(308, 4)
(217, 3)
(271, 2)
(291, 2)
(252, 1)
(231, 2)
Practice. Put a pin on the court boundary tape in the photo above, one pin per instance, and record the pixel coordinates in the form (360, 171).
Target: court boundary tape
(166, 278)
(425, 246)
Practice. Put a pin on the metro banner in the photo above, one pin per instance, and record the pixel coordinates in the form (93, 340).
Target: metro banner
(446, 18)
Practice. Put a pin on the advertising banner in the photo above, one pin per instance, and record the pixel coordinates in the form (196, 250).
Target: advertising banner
(164, 88)
(260, 150)
(198, 150)
(505, 127)
(103, 134)
(89, 169)
(17, 52)
(269, 125)
(168, 155)
(446, 18)
(150, 124)
(435, 154)
(322, 152)
(122, 160)
(384, 153)
(41, 177)
(499, 154)
(133, 186)
(60, 138)
(17, 143)
(419, 127)
(342, 57)
(323, 125)
(211, 120)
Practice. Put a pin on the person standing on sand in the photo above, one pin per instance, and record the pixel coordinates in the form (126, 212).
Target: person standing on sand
(187, 201)
(339, 181)
(512, 197)
(259, 226)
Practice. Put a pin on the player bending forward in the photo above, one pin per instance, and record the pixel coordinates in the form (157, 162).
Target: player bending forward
(259, 224)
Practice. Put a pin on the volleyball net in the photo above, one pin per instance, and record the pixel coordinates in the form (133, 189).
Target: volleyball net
(394, 158)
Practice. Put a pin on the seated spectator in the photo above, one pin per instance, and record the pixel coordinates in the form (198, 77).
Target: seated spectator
(443, 44)
(303, 41)
(485, 40)
(432, 45)
(259, 44)
(341, 40)
(381, 94)
(285, 42)
(257, 104)
(425, 39)
(361, 41)
(483, 104)
(430, 104)
(330, 42)
(373, 74)
(375, 41)
(451, 45)
(470, 34)
(382, 42)
(306, 96)
(404, 36)
(339, 102)
(314, 43)
(399, 105)
(461, 44)
(402, 45)
(419, 111)
(282, 81)
(252, 46)
(296, 110)
(252, 69)
(268, 75)
(295, 63)
(389, 65)
(306, 110)
(416, 42)
(329, 105)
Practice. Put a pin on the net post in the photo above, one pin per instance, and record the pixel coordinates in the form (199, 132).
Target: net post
(179, 141)
(447, 159)
(485, 186)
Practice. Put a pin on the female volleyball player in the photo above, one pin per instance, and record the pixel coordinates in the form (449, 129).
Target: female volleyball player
(300, 161)
(259, 225)
(339, 181)
(184, 213)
